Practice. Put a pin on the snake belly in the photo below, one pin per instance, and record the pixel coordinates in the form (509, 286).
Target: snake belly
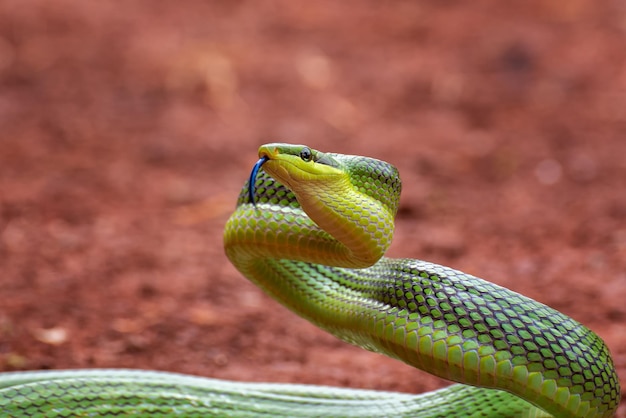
(515, 357)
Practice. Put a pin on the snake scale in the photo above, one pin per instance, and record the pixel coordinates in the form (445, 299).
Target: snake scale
(311, 230)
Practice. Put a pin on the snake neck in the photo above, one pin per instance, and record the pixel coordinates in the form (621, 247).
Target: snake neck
(316, 227)
(364, 226)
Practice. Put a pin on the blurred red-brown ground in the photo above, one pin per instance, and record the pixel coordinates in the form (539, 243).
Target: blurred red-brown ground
(127, 130)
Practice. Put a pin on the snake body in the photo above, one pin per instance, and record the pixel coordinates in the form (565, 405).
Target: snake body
(310, 229)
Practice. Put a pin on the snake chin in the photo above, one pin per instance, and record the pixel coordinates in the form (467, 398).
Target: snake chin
(277, 170)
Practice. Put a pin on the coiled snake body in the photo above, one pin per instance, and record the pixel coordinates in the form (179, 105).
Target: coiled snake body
(311, 229)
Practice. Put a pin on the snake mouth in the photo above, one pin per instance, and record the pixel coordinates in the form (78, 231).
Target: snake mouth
(272, 154)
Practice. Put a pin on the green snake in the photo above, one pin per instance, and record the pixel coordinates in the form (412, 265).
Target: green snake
(311, 229)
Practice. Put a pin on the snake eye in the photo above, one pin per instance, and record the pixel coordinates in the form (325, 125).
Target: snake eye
(306, 154)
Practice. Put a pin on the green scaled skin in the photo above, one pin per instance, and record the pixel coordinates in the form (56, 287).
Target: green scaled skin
(311, 229)
(440, 320)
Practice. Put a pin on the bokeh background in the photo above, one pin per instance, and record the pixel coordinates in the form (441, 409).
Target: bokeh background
(128, 128)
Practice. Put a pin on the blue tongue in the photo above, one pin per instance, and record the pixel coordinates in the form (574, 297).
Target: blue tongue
(252, 181)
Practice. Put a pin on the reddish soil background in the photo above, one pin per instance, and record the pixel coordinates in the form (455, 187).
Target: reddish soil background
(128, 128)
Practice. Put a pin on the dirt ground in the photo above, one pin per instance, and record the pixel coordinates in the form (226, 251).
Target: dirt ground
(127, 129)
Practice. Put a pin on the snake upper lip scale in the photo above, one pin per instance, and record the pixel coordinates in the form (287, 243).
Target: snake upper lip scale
(316, 245)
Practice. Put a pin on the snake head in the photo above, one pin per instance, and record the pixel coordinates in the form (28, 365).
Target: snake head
(295, 166)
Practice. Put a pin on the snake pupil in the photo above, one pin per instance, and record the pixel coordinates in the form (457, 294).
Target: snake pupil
(306, 154)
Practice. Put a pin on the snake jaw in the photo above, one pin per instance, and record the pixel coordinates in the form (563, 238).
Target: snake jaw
(269, 153)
